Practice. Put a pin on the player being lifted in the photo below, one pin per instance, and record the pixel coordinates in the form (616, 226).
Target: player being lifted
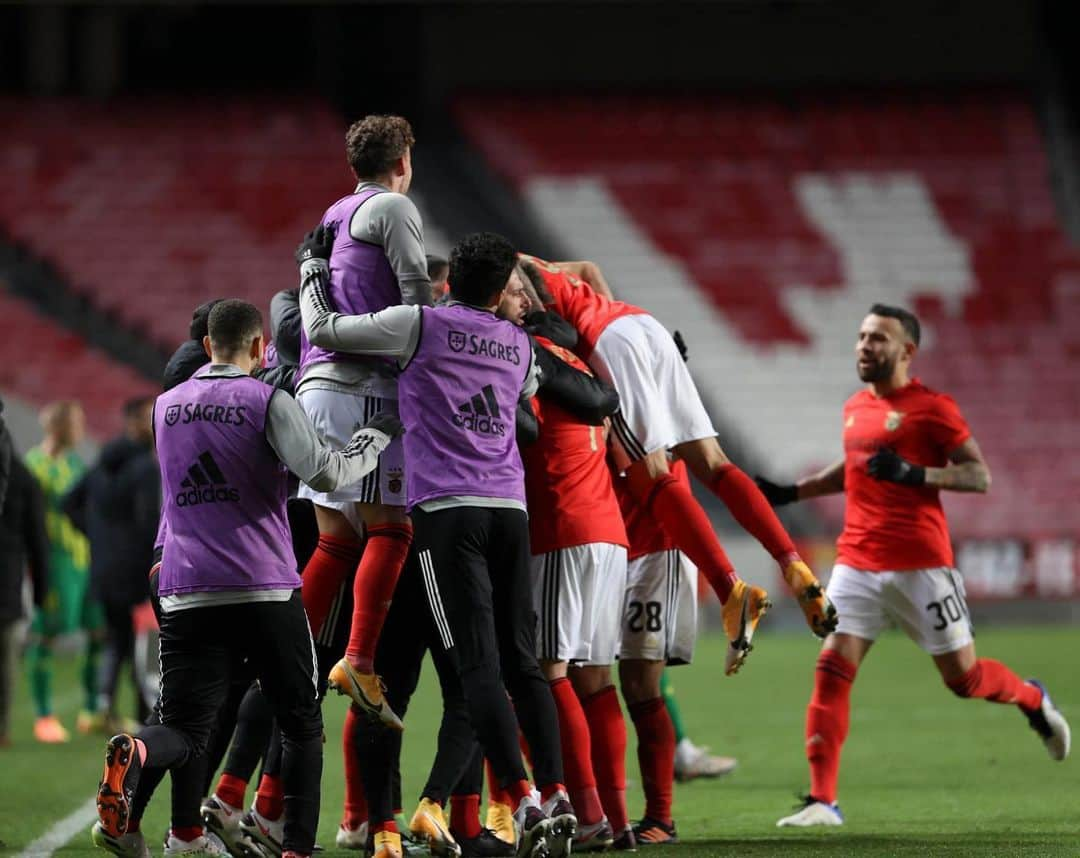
(661, 411)
(377, 261)
(903, 444)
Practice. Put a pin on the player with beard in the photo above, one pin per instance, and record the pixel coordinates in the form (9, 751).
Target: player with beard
(904, 444)
(661, 411)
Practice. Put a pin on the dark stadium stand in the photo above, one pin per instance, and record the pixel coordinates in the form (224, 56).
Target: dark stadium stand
(785, 215)
(150, 207)
(44, 362)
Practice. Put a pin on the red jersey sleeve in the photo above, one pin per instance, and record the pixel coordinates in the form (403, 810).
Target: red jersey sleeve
(946, 425)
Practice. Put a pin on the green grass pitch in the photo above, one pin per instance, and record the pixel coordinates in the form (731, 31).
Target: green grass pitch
(923, 773)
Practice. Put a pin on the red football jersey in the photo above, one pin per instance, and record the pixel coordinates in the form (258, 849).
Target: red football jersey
(888, 526)
(646, 535)
(567, 481)
(581, 305)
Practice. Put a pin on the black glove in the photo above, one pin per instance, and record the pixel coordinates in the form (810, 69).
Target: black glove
(386, 423)
(552, 326)
(887, 464)
(317, 244)
(775, 494)
(680, 344)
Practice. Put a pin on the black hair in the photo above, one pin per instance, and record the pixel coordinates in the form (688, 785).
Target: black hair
(197, 329)
(232, 325)
(908, 320)
(480, 265)
(133, 406)
(436, 265)
(537, 281)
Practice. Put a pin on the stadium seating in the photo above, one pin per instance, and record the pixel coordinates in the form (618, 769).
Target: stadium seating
(43, 362)
(763, 229)
(150, 207)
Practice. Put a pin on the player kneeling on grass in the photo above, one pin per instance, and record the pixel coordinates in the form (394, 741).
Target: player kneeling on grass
(228, 583)
(903, 444)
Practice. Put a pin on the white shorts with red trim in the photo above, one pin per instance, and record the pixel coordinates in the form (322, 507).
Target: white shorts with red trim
(660, 612)
(335, 416)
(579, 598)
(929, 605)
(659, 404)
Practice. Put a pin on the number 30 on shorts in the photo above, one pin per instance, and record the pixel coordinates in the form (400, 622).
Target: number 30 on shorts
(948, 610)
(644, 616)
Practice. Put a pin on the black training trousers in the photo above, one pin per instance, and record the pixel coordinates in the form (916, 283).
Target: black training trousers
(475, 562)
(197, 646)
(408, 634)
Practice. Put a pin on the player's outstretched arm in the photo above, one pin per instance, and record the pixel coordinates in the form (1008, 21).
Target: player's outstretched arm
(392, 332)
(589, 272)
(967, 470)
(293, 438)
(828, 481)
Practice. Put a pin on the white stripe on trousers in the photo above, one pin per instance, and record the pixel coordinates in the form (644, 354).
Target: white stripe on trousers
(435, 600)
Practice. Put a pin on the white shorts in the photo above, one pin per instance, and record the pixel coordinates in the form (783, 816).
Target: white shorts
(660, 613)
(336, 416)
(928, 604)
(579, 596)
(659, 405)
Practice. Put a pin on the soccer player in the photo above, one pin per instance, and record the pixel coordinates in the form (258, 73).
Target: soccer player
(68, 607)
(578, 543)
(659, 628)
(904, 444)
(378, 261)
(228, 581)
(661, 411)
(463, 372)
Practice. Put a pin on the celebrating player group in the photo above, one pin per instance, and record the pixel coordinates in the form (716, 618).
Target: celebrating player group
(502, 480)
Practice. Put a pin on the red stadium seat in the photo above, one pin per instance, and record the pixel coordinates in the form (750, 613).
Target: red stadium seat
(46, 362)
(151, 199)
(713, 182)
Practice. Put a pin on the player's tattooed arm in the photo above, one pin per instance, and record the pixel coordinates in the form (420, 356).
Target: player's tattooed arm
(967, 470)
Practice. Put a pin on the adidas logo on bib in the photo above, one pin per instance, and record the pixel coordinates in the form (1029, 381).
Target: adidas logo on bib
(205, 484)
(481, 414)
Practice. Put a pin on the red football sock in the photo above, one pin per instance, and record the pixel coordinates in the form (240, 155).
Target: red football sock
(231, 789)
(187, 833)
(673, 505)
(656, 756)
(385, 825)
(577, 753)
(356, 810)
(270, 798)
(324, 574)
(516, 791)
(750, 508)
(608, 731)
(548, 790)
(827, 722)
(465, 815)
(993, 681)
(496, 794)
(376, 577)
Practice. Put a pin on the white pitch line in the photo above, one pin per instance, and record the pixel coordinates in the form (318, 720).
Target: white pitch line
(76, 821)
